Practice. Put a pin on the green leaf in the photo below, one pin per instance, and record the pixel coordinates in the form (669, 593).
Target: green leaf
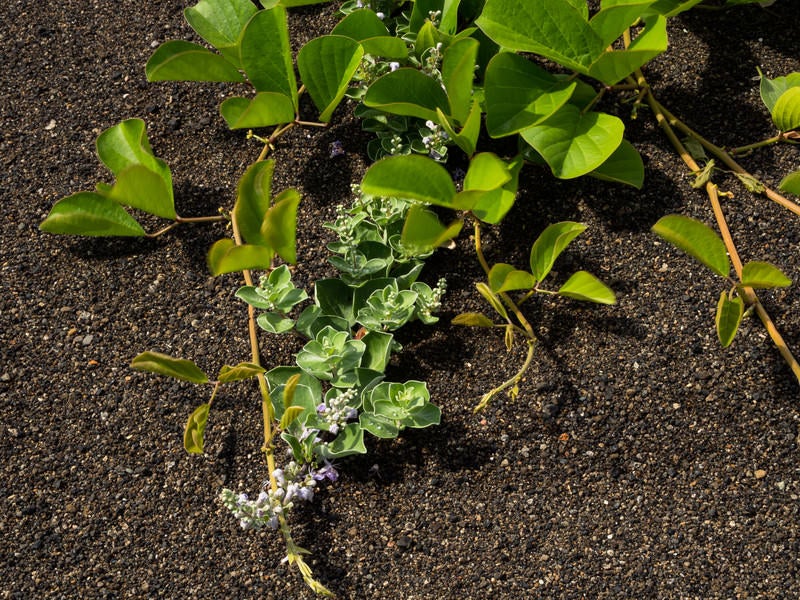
(264, 110)
(763, 275)
(472, 319)
(486, 171)
(195, 429)
(703, 176)
(615, 17)
(613, 66)
(786, 112)
(226, 257)
(267, 55)
(623, 166)
(378, 350)
(550, 243)
(555, 29)
(162, 364)
(90, 214)
(670, 8)
(252, 201)
(408, 92)
(585, 286)
(274, 323)
(326, 65)
(378, 425)
(177, 60)
(520, 94)
(423, 416)
(349, 441)
(493, 205)
(220, 23)
(696, 239)
(243, 370)
(490, 297)
(751, 183)
(360, 25)
(573, 143)
(791, 183)
(423, 231)
(729, 316)
(335, 298)
(412, 177)
(772, 89)
(280, 224)
(125, 146)
(467, 138)
(505, 278)
(290, 415)
(458, 71)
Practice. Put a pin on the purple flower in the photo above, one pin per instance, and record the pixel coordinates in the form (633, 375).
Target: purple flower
(337, 149)
(328, 472)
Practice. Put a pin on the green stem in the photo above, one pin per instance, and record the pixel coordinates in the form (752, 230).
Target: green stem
(750, 147)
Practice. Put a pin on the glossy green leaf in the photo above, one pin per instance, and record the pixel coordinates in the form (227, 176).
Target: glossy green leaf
(555, 29)
(572, 143)
(585, 286)
(493, 205)
(267, 54)
(280, 225)
(786, 112)
(670, 8)
(274, 323)
(623, 166)
(243, 370)
(226, 257)
(614, 18)
(423, 231)
(360, 25)
(162, 364)
(412, 177)
(472, 319)
(264, 110)
(505, 278)
(486, 171)
(349, 441)
(335, 298)
(90, 214)
(378, 350)
(519, 94)
(772, 89)
(220, 23)
(326, 65)
(378, 425)
(125, 146)
(791, 183)
(177, 60)
(696, 239)
(728, 318)
(458, 71)
(613, 66)
(550, 244)
(407, 92)
(763, 275)
(253, 200)
(195, 429)
(467, 137)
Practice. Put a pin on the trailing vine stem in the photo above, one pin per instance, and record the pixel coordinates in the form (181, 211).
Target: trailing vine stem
(294, 553)
(666, 121)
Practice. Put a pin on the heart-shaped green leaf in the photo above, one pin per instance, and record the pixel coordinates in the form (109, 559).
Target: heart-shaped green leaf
(226, 257)
(467, 138)
(550, 243)
(791, 183)
(422, 231)
(728, 318)
(772, 89)
(90, 214)
(786, 112)
(195, 429)
(505, 278)
(139, 187)
(280, 225)
(623, 166)
(520, 94)
(458, 71)
(349, 441)
(696, 239)
(575, 143)
(585, 286)
(614, 18)
(265, 109)
(177, 60)
(614, 65)
(413, 177)
(763, 275)
(326, 65)
(220, 23)
(408, 92)
(253, 200)
(162, 364)
(267, 54)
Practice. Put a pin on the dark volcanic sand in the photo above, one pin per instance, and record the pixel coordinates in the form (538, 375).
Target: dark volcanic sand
(639, 461)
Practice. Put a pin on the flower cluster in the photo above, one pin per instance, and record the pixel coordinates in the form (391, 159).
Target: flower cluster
(336, 410)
